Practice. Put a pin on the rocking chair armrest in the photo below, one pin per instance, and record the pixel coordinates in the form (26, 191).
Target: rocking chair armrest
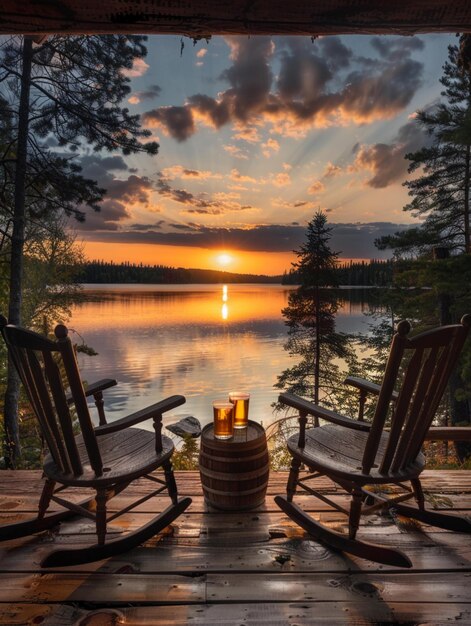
(99, 385)
(366, 385)
(152, 411)
(304, 406)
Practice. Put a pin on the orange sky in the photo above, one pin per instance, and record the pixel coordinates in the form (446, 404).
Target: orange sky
(244, 262)
(256, 135)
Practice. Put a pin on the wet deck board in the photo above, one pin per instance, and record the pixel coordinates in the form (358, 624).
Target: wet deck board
(254, 567)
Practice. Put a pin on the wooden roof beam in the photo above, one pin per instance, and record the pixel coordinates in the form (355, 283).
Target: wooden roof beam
(200, 18)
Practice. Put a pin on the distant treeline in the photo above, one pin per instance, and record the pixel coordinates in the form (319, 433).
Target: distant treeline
(138, 273)
(365, 273)
(372, 273)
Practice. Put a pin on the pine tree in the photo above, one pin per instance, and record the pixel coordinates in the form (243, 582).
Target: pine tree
(310, 317)
(69, 88)
(441, 193)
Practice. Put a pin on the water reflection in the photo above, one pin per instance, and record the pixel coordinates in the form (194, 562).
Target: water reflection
(224, 308)
(197, 340)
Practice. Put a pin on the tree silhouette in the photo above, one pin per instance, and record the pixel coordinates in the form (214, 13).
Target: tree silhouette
(441, 193)
(310, 317)
(67, 88)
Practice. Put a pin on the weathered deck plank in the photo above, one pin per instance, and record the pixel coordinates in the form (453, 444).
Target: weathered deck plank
(358, 613)
(254, 568)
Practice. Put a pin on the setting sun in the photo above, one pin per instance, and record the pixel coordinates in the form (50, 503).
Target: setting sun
(224, 259)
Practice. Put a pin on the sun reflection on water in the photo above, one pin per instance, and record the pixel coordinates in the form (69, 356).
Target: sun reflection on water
(224, 308)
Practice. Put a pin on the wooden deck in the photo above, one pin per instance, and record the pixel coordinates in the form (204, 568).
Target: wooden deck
(254, 568)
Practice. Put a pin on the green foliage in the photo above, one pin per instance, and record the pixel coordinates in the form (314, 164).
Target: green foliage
(277, 435)
(354, 273)
(67, 92)
(187, 457)
(441, 192)
(77, 85)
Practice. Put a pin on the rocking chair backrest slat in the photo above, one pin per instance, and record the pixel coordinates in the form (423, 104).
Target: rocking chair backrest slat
(47, 408)
(422, 378)
(20, 358)
(39, 362)
(385, 395)
(63, 412)
(400, 410)
(78, 394)
(427, 360)
(448, 358)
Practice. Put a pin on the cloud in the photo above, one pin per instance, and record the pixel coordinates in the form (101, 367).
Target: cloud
(120, 192)
(386, 162)
(317, 85)
(153, 91)
(282, 179)
(139, 68)
(270, 147)
(236, 152)
(331, 170)
(350, 239)
(145, 227)
(316, 187)
(241, 178)
(178, 171)
(97, 168)
(175, 121)
(201, 53)
(201, 204)
(247, 133)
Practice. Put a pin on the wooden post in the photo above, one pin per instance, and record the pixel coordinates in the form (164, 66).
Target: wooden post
(459, 409)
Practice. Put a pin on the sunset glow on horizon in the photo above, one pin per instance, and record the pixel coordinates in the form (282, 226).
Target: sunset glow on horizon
(244, 262)
(224, 259)
(257, 134)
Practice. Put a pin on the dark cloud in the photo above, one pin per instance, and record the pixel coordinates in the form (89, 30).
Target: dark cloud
(304, 73)
(338, 55)
(250, 75)
(98, 168)
(351, 240)
(394, 47)
(200, 204)
(153, 91)
(177, 120)
(108, 218)
(145, 227)
(120, 192)
(312, 87)
(131, 189)
(386, 91)
(387, 161)
(182, 226)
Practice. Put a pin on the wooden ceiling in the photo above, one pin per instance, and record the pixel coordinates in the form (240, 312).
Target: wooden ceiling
(199, 18)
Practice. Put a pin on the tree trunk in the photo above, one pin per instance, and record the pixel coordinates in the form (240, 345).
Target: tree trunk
(467, 236)
(12, 440)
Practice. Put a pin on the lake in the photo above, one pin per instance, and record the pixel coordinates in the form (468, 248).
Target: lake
(201, 341)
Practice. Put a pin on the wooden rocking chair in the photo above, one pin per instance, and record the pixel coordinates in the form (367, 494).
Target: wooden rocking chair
(355, 454)
(106, 458)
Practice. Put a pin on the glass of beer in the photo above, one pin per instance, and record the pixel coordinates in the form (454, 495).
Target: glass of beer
(223, 419)
(240, 401)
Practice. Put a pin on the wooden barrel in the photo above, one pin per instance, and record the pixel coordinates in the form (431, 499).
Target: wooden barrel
(234, 472)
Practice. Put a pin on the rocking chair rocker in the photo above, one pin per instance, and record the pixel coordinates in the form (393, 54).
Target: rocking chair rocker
(355, 454)
(106, 458)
